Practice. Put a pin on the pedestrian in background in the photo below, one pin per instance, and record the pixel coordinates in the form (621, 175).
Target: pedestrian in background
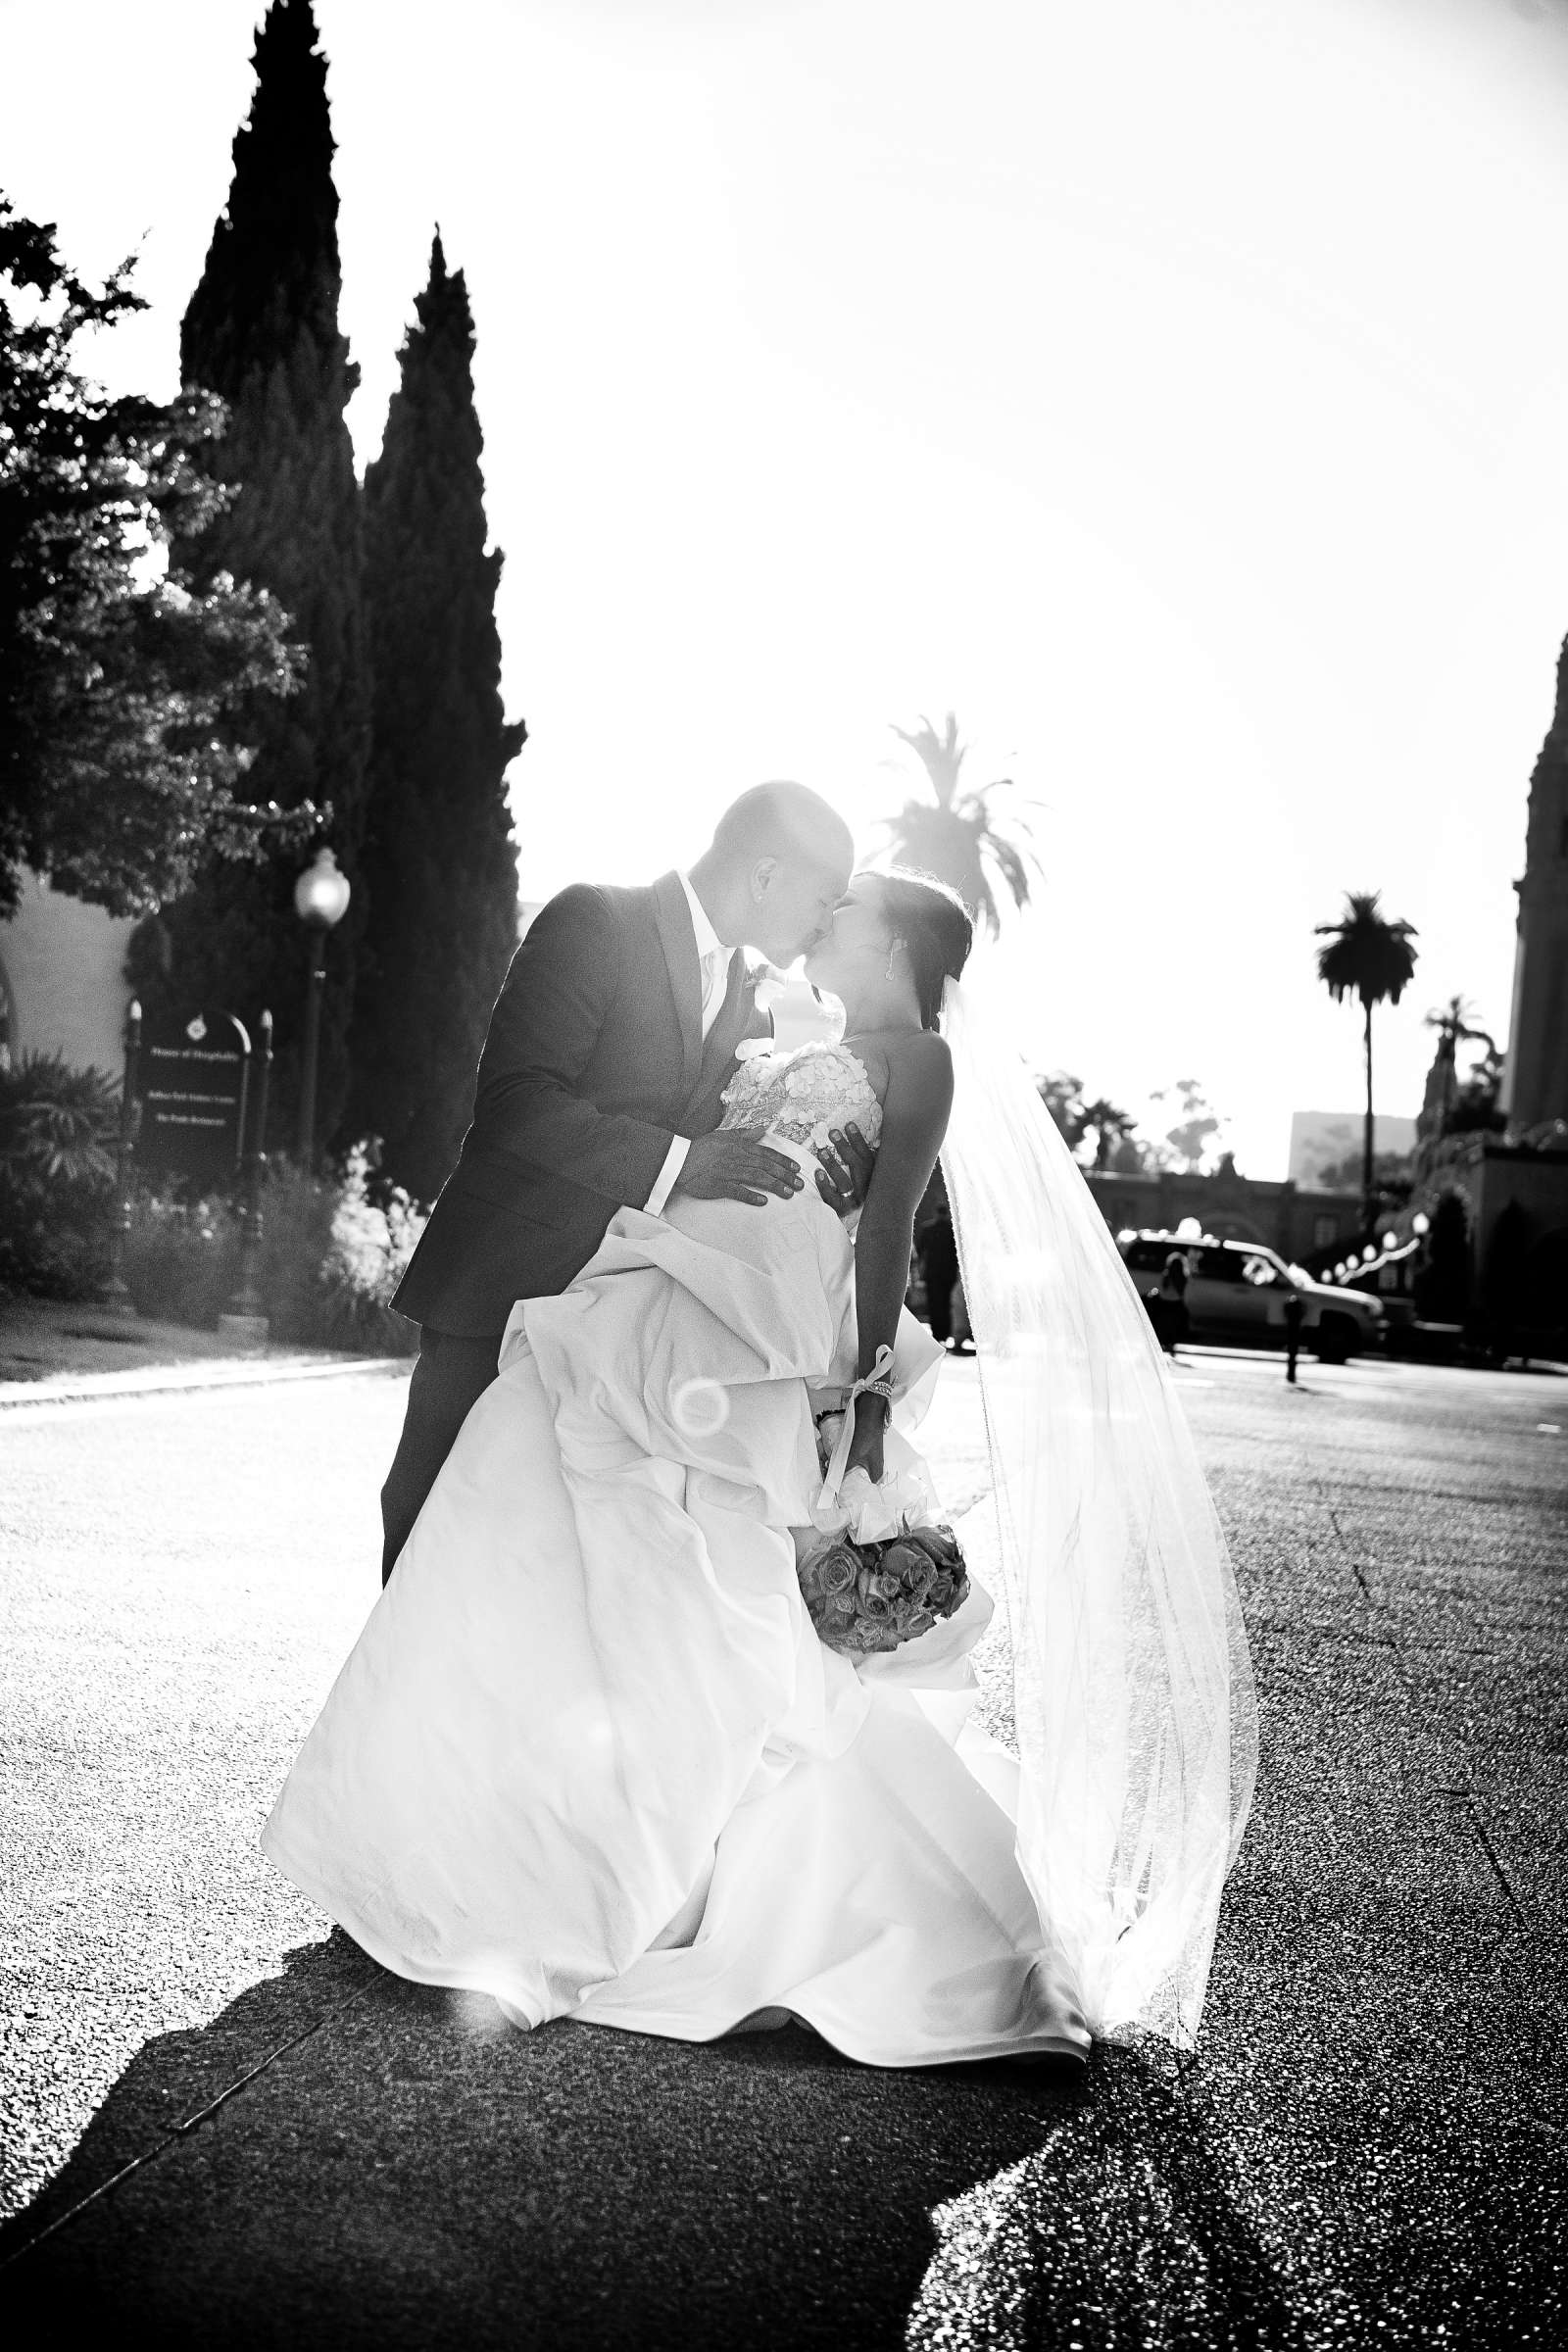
(937, 1252)
(1295, 1310)
(1172, 1322)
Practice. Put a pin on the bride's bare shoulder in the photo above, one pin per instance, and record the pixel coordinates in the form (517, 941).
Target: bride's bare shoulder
(924, 1053)
(919, 1069)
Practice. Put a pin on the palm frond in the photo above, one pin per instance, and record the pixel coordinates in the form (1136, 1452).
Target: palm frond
(1457, 1023)
(1017, 867)
(941, 755)
(963, 838)
(1367, 956)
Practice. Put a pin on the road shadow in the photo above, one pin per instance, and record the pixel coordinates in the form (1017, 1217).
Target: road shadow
(340, 2158)
(1120, 2229)
(175, 2078)
(343, 2158)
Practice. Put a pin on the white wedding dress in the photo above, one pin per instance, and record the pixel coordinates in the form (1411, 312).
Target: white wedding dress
(589, 1756)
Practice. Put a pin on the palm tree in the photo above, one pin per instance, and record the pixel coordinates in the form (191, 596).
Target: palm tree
(961, 840)
(1371, 957)
(1455, 1026)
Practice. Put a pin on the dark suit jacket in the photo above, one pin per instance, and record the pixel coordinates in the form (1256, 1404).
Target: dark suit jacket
(593, 1062)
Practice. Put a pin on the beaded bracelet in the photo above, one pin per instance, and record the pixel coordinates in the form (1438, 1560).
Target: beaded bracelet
(876, 1382)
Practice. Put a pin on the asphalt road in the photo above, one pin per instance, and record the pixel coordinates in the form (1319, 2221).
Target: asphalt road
(222, 2126)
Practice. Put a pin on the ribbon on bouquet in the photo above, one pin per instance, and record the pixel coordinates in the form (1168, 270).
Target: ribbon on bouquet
(878, 1382)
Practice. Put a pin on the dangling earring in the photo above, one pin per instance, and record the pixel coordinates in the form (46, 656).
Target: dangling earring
(892, 952)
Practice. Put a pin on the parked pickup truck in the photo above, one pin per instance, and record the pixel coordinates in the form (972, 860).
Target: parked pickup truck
(1237, 1290)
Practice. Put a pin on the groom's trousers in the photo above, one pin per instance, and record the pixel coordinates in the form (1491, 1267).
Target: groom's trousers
(452, 1372)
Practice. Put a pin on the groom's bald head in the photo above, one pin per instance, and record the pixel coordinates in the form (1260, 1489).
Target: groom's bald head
(779, 863)
(784, 820)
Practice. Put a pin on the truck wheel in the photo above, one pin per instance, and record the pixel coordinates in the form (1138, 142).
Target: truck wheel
(1335, 1338)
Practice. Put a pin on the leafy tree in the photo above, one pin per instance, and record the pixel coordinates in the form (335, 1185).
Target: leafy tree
(262, 332)
(1112, 1128)
(962, 839)
(1063, 1096)
(126, 702)
(1118, 1145)
(1370, 958)
(1133, 1157)
(1186, 1143)
(438, 855)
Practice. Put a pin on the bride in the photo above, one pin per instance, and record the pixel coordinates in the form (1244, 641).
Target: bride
(589, 1756)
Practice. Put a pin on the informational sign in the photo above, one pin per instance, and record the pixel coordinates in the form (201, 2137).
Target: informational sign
(193, 1082)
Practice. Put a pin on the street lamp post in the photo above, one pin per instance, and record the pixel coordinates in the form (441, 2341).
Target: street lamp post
(244, 1321)
(115, 1295)
(321, 901)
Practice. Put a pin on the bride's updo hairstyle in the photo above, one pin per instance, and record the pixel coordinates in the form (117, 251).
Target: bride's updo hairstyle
(937, 932)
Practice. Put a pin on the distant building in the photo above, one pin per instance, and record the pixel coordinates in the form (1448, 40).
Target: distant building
(1306, 1226)
(1493, 1208)
(1321, 1140)
(63, 987)
(1535, 1083)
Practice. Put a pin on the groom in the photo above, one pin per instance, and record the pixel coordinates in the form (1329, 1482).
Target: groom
(611, 1043)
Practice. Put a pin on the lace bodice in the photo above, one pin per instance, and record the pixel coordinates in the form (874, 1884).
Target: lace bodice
(802, 1095)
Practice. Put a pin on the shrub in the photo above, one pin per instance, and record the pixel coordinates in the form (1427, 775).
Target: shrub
(333, 1247)
(181, 1259)
(58, 1128)
(371, 1241)
(331, 1257)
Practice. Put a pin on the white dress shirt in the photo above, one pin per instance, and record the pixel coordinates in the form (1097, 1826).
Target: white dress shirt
(713, 960)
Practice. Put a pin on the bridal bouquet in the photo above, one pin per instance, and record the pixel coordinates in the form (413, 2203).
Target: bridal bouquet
(891, 1577)
(869, 1596)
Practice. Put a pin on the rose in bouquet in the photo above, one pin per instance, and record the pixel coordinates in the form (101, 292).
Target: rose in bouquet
(862, 1598)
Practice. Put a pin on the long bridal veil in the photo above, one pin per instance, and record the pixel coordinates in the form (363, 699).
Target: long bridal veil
(1135, 1711)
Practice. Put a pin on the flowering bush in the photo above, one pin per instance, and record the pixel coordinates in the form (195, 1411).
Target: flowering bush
(369, 1243)
(330, 1256)
(333, 1251)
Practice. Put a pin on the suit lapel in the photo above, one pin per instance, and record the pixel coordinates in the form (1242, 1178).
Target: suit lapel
(679, 943)
(729, 1019)
(738, 1016)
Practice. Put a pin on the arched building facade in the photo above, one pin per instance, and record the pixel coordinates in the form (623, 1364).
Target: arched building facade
(1510, 1190)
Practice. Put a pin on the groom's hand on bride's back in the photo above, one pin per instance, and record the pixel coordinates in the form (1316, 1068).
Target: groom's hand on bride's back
(735, 1165)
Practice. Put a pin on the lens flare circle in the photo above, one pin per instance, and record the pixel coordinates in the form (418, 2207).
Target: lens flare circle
(698, 1406)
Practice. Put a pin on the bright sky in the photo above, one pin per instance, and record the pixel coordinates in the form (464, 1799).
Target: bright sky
(1173, 388)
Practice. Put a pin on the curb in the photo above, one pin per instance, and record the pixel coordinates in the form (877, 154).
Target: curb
(170, 1380)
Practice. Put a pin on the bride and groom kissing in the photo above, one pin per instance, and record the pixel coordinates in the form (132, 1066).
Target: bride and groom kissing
(589, 1756)
(600, 1087)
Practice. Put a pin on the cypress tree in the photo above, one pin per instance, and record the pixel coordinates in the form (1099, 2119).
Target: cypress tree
(438, 853)
(262, 333)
